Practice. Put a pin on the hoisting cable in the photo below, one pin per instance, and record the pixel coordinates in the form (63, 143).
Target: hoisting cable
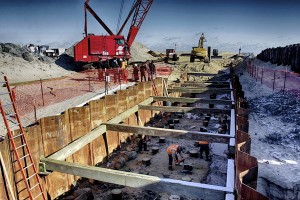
(120, 16)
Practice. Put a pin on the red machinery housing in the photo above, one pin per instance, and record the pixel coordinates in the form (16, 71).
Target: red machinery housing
(93, 47)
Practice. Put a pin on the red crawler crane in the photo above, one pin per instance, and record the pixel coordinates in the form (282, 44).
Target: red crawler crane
(94, 47)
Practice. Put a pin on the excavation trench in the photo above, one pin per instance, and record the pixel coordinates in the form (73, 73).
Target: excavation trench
(152, 160)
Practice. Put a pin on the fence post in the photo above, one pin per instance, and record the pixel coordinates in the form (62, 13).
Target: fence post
(274, 80)
(119, 77)
(284, 82)
(35, 115)
(89, 83)
(262, 74)
(42, 92)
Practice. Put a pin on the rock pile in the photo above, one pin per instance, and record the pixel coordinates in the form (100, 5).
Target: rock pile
(286, 106)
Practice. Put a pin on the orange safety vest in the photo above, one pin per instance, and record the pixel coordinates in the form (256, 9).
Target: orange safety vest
(172, 148)
(203, 142)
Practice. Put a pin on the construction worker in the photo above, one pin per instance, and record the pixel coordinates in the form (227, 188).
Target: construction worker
(201, 40)
(142, 142)
(173, 151)
(152, 70)
(204, 147)
(101, 63)
(136, 72)
(143, 70)
(123, 63)
(115, 63)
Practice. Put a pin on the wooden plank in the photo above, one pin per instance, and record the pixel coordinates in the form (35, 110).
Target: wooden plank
(34, 141)
(92, 135)
(141, 181)
(6, 155)
(112, 106)
(98, 116)
(6, 179)
(97, 112)
(200, 74)
(122, 100)
(205, 85)
(185, 109)
(189, 135)
(141, 91)
(55, 134)
(193, 100)
(200, 90)
(123, 104)
(80, 123)
(208, 82)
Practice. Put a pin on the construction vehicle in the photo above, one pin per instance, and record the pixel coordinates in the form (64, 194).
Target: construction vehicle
(171, 55)
(93, 48)
(200, 52)
(216, 54)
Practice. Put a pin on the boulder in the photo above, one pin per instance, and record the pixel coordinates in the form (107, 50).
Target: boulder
(27, 56)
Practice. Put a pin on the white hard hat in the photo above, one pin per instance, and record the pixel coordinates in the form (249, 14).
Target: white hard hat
(135, 65)
(121, 59)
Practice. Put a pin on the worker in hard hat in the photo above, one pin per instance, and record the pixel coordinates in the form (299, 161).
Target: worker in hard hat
(173, 151)
(204, 147)
(142, 142)
(135, 72)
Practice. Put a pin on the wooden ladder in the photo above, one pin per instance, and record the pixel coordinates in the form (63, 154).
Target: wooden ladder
(19, 146)
(155, 90)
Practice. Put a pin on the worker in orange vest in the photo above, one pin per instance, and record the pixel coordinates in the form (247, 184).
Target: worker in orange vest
(204, 147)
(173, 151)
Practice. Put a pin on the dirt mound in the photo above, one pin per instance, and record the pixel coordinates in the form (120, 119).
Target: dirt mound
(140, 53)
(21, 65)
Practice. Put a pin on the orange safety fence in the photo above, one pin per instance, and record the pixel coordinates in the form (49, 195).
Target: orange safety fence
(34, 96)
(275, 79)
(37, 95)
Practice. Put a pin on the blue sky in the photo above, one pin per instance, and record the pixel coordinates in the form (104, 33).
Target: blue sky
(252, 25)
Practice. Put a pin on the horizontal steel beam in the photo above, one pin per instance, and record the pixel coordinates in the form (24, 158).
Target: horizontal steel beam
(208, 82)
(145, 182)
(161, 132)
(192, 100)
(200, 90)
(205, 85)
(200, 74)
(185, 109)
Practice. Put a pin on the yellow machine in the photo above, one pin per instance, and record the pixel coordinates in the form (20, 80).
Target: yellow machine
(200, 52)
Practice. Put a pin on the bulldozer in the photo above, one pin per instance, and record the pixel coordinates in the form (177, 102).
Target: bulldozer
(200, 52)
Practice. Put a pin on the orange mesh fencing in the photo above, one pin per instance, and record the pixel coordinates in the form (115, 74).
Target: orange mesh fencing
(278, 80)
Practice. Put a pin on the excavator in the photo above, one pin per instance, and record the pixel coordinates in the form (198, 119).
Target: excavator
(200, 52)
(93, 48)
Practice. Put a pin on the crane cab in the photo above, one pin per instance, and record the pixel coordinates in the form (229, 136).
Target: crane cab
(93, 47)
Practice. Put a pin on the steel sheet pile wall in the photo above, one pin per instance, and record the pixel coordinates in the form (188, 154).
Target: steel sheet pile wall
(289, 55)
(55, 132)
(246, 165)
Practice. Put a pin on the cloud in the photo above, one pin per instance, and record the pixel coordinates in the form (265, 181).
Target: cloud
(219, 28)
(171, 38)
